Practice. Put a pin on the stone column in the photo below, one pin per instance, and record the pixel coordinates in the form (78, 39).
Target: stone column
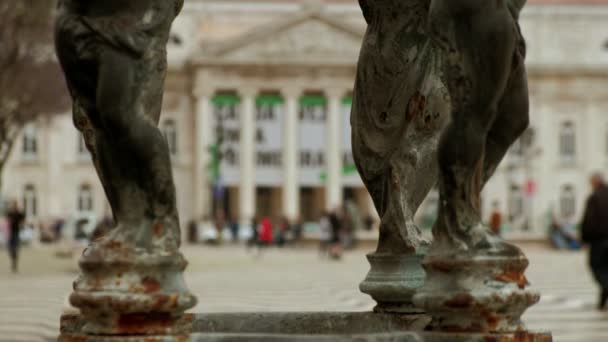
(203, 138)
(247, 156)
(291, 184)
(333, 155)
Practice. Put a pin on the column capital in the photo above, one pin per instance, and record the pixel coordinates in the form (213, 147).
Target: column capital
(292, 91)
(203, 91)
(336, 91)
(248, 91)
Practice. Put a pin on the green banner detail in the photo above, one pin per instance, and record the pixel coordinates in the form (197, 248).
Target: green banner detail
(226, 100)
(347, 170)
(270, 100)
(312, 101)
(214, 166)
(347, 100)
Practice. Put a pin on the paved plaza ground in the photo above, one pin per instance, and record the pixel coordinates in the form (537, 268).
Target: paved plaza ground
(229, 279)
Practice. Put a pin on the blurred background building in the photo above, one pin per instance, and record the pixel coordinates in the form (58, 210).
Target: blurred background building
(257, 108)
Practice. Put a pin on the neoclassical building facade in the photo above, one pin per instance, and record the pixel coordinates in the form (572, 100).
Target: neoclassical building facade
(257, 106)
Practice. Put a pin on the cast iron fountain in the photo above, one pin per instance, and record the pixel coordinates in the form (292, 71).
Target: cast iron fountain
(440, 96)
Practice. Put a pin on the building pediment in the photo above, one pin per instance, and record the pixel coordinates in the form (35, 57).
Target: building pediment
(309, 38)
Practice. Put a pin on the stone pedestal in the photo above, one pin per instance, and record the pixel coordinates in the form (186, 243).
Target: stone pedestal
(393, 280)
(301, 327)
(125, 291)
(482, 292)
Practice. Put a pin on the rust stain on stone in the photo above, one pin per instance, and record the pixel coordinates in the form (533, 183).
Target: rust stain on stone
(160, 302)
(113, 244)
(159, 229)
(513, 277)
(150, 285)
(441, 266)
(460, 301)
(416, 105)
(492, 321)
(173, 303)
(458, 329)
(140, 323)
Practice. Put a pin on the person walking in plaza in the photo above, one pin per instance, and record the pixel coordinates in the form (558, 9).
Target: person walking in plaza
(495, 219)
(324, 234)
(282, 232)
(336, 218)
(253, 239)
(15, 220)
(265, 232)
(594, 230)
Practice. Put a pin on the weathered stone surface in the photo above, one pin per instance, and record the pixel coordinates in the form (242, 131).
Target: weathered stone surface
(393, 280)
(400, 106)
(314, 326)
(113, 54)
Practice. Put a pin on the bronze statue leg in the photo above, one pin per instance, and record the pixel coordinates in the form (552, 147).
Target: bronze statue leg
(132, 151)
(511, 121)
(466, 289)
(479, 51)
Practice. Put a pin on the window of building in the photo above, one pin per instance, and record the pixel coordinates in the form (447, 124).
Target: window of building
(309, 204)
(567, 201)
(30, 142)
(516, 202)
(85, 198)
(567, 143)
(30, 205)
(170, 132)
(313, 108)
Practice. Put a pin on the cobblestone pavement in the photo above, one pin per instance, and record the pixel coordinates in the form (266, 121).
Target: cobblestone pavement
(230, 279)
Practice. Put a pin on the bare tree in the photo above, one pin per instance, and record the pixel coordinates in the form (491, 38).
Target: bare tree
(31, 82)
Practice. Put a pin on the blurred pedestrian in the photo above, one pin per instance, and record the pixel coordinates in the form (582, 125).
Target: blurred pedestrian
(192, 231)
(347, 230)
(265, 233)
(495, 219)
(296, 231)
(324, 234)
(58, 228)
(595, 233)
(220, 225)
(15, 217)
(253, 239)
(234, 230)
(336, 220)
(564, 234)
(282, 231)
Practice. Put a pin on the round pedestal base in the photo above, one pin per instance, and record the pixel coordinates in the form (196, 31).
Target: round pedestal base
(125, 291)
(484, 293)
(393, 280)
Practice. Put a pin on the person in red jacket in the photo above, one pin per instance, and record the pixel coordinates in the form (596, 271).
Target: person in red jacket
(265, 232)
